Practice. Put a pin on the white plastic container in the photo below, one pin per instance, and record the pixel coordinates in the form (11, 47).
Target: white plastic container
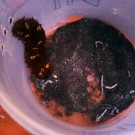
(15, 94)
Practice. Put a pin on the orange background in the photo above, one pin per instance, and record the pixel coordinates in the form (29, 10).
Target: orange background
(8, 126)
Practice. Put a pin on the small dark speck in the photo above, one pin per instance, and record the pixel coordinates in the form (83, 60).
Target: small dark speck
(2, 47)
(10, 20)
(58, 114)
(5, 32)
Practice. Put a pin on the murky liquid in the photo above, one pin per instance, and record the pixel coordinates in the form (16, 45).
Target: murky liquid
(55, 110)
(9, 126)
(80, 116)
(85, 73)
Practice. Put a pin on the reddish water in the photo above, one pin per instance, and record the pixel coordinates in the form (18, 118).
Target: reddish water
(76, 118)
(8, 126)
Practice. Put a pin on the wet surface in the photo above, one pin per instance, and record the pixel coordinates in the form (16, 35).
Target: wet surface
(8, 126)
(93, 63)
(93, 70)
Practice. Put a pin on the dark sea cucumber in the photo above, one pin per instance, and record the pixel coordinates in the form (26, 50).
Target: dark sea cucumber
(31, 33)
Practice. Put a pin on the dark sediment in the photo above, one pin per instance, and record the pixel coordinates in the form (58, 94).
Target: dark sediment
(90, 47)
(93, 70)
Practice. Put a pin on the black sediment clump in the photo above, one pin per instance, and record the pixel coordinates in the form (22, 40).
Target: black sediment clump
(88, 47)
(31, 33)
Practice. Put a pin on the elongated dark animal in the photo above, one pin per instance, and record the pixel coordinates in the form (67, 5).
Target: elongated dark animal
(31, 33)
